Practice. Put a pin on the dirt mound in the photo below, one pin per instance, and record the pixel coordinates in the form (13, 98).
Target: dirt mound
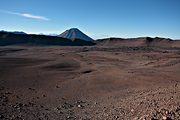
(64, 65)
(9, 50)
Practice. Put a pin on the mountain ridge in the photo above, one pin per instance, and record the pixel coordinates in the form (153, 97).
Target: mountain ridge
(8, 38)
(140, 41)
(14, 38)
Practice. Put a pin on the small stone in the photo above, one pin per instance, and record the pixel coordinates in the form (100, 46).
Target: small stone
(106, 115)
(31, 89)
(41, 106)
(164, 118)
(60, 112)
(79, 106)
(116, 117)
(168, 118)
(57, 109)
(1, 116)
(167, 112)
(2, 88)
(132, 110)
(154, 119)
(20, 104)
(44, 95)
(136, 118)
(7, 92)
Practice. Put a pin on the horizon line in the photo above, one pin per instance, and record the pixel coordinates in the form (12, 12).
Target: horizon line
(92, 36)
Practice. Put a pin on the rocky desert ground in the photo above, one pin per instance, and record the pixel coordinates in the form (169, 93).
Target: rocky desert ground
(89, 83)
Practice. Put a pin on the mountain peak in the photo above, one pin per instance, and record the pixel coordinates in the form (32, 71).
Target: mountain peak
(75, 33)
(74, 29)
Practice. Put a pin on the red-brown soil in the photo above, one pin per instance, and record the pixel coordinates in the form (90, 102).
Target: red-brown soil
(89, 83)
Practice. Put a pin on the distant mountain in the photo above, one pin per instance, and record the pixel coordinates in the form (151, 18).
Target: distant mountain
(53, 34)
(75, 33)
(15, 32)
(19, 32)
(10, 38)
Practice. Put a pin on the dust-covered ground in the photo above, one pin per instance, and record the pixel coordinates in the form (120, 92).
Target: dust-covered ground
(89, 83)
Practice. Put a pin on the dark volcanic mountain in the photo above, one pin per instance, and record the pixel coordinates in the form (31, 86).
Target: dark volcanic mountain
(19, 32)
(15, 32)
(9, 38)
(75, 33)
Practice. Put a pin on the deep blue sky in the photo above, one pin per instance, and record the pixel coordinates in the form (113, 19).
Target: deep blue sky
(97, 18)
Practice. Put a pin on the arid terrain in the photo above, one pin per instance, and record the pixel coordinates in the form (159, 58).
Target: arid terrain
(89, 83)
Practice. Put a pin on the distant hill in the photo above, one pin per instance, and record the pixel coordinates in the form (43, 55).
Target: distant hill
(9, 38)
(15, 32)
(142, 41)
(75, 33)
(19, 32)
